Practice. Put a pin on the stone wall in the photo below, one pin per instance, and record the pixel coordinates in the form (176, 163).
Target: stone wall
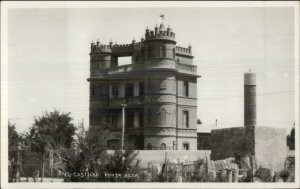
(158, 157)
(225, 143)
(203, 141)
(270, 147)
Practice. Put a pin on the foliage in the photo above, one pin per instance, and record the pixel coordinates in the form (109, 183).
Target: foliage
(284, 174)
(291, 139)
(199, 121)
(264, 174)
(13, 139)
(200, 173)
(51, 132)
(52, 129)
(94, 160)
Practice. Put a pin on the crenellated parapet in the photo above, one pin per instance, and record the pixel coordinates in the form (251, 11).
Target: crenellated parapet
(160, 33)
(118, 49)
(184, 51)
(97, 47)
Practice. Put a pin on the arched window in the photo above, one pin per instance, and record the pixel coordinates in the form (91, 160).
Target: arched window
(163, 146)
(149, 146)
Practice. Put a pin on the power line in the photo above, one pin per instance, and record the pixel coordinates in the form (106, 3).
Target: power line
(239, 96)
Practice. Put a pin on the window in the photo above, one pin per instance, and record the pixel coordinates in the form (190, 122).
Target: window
(115, 90)
(149, 146)
(129, 118)
(141, 89)
(163, 146)
(186, 146)
(163, 84)
(129, 89)
(164, 52)
(186, 88)
(141, 119)
(186, 119)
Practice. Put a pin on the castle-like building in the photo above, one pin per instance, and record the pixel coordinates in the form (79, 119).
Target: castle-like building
(158, 88)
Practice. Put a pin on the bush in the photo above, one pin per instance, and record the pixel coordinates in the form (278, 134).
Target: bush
(284, 174)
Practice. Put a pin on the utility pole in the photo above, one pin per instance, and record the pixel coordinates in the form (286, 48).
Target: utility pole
(123, 125)
(123, 133)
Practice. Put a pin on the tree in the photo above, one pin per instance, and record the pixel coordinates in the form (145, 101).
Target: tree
(52, 130)
(291, 139)
(199, 121)
(94, 158)
(13, 139)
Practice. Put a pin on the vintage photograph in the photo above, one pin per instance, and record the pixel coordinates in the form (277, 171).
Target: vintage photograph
(153, 93)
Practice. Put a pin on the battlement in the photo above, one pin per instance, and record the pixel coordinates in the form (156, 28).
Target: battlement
(116, 48)
(184, 51)
(100, 47)
(160, 33)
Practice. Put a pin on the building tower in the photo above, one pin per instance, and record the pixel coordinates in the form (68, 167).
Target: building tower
(249, 99)
(250, 109)
(159, 89)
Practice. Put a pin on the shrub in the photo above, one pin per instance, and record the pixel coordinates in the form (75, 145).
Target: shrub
(284, 174)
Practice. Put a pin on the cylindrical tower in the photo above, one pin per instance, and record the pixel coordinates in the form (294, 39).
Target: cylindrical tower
(249, 99)
(160, 88)
(100, 61)
(100, 58)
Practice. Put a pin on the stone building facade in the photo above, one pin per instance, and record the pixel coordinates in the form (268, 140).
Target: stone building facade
(159, 89)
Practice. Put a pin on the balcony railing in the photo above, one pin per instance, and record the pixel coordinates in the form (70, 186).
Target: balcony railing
(182, 68)
(130, 101)
(120, 69)
(186, 68)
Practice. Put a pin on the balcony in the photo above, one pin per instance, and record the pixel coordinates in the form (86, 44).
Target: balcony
(130, 101)
(120, 69)
(186, 68)
(182, 68)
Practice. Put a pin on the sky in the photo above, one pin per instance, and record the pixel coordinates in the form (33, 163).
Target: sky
(48, 58)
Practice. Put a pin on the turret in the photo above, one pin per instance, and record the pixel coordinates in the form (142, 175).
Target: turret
(100, 57)
(156, 30)
(190, 49)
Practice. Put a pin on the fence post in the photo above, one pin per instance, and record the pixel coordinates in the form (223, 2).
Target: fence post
(229, 175)
(235, 175)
